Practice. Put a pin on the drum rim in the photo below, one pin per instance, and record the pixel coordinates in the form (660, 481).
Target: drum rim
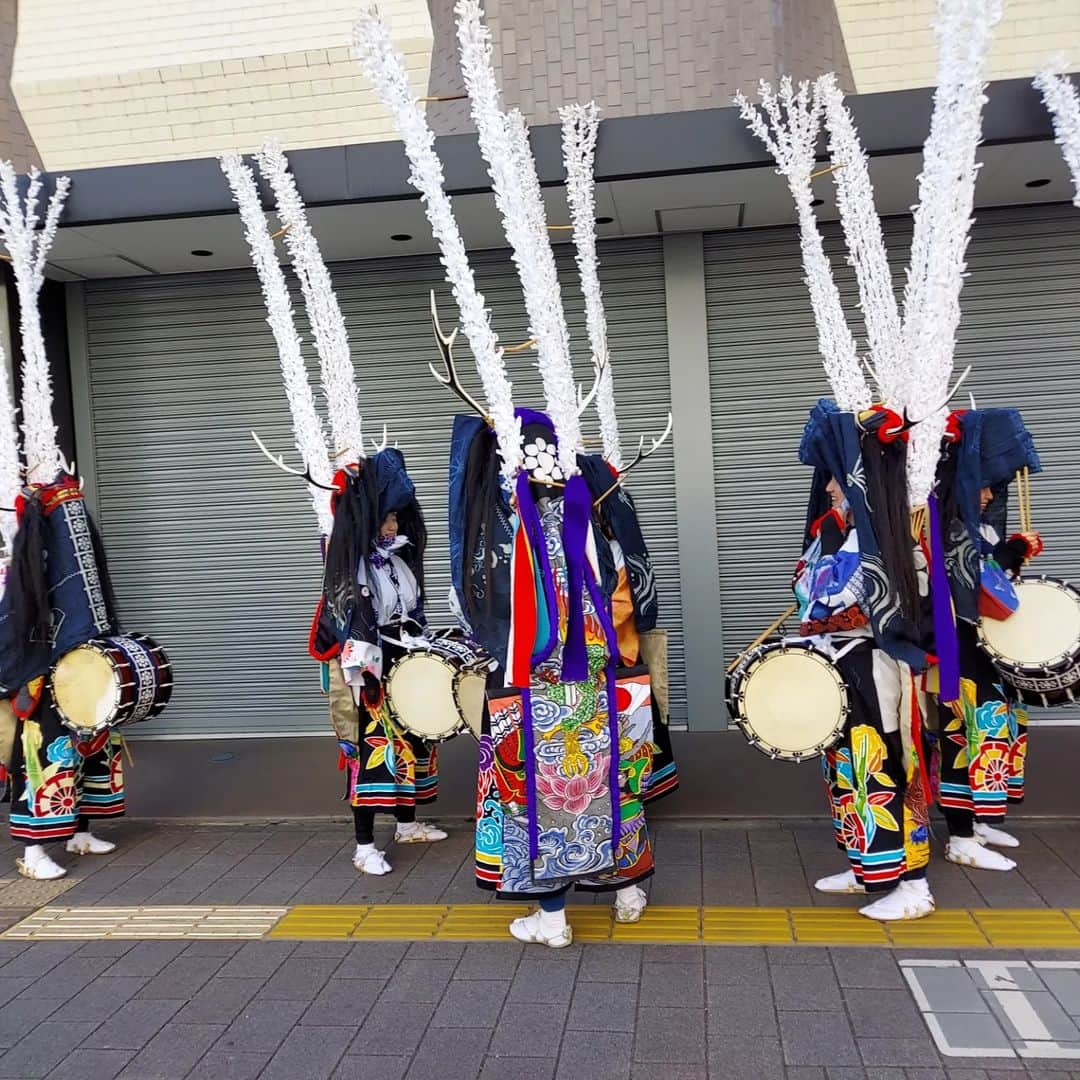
(390, 701)
(470, 671)
(1051, 666)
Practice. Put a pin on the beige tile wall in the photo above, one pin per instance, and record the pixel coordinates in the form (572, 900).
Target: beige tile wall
(107, 82)
(890, 43)
(15, 142)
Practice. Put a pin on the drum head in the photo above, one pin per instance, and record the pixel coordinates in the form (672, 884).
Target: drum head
(420, 689)
(85, 688)
(469, 689)
(1043, 630)
(790, 702)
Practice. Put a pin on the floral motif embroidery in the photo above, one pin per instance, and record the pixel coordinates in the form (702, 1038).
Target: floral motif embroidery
(572, 794)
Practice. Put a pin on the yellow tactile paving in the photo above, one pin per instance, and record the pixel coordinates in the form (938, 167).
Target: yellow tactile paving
(1024, 928)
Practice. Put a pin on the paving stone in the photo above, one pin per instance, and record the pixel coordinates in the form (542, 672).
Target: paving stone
(884, 1014)
(257, 959)
(806, 1072)
(214, 947)
(786, 955)
(11, 987)
(354, 1067)
(40, 958)
(962, 1074)
(323, 950)
(65, 980)
(529, 1030)
(602, 1007)
(868, 969)
(611, 963)
(43, 1047)
(101, 998)
(229, 1065)
(679, 986)
(172, 1052)
(261, 1026)
(748, 1011)
(419, 980)
(298, 980)
(502, 1068)
(670, 1035)
(343, 1003)
(489, 960)
(471, 1004)
(182, 978)
(739, 1058)
(736, 966)
(1065, 986)
(543, 981)
(146, 958)
(968, 1031)
(310, 1052)
(817, 1038)
(595, 1055)
(1046, 1007)
(17, 1017)
(811, 987)
(406, 1019)
(670, 1072)
(948, 990)
(112, 947)
(372, 960)
(450, 1054)
(915, 1051)
(85, 1064)
(219, 1001)
(436, 950)
(133, 1025)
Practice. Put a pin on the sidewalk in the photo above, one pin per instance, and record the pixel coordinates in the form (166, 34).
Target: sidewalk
(436, 1009)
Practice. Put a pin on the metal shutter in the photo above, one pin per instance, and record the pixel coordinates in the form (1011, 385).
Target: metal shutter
(214, 552)
(1020, 328)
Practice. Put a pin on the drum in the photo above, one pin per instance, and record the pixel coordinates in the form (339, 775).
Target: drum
(1037, 648)
(789, 700)
(111, 681)
(437, 689)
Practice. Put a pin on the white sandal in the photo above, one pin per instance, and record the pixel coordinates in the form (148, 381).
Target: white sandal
(967, 851)
(39, 866)
(987, 834)
(630, 904)
(86, 843)
(418, 832)
(909, 900)
(839, 884)
(372, 862)
(530, 930)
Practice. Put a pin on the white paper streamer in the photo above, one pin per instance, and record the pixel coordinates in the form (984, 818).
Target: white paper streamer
(323, 310)
(580, 127)
(385, 69)
(10, 473)
(1062, 98)
(29, 248)
(787, 122)
(504, 143)
(866, 244)
(942, 225)
(308, 429)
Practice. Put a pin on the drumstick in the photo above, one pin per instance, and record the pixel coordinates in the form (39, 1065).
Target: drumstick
(762, 636)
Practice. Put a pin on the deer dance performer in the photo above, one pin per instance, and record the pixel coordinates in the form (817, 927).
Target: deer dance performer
(371, 526)
(856, 578)
(58, 617)
(566, 750)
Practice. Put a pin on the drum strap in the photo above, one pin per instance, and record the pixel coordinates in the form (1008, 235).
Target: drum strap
(826, 643)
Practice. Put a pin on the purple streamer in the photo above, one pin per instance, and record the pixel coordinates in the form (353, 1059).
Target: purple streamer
(577, 513)
(534, 531)
(946, 642)
(530, 774)
(600, 603)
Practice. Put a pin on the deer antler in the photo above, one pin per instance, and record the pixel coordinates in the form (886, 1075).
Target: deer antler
(378, 447)
(584, 401)
(446, 347)
(279, 461)
(641, 455)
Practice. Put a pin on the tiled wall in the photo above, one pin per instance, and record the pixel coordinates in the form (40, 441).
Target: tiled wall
(15, 142)
(890, 43)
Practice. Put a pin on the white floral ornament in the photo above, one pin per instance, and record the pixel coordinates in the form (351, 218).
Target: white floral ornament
(541, 460)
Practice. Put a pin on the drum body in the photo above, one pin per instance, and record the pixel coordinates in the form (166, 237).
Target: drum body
(112, 681)
(437, 690)
(1037, 648)
(789, 700)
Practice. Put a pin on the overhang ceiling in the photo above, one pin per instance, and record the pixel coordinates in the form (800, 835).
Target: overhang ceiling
(744, 198)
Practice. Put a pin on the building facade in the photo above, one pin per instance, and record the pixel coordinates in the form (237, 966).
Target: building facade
(172, 363)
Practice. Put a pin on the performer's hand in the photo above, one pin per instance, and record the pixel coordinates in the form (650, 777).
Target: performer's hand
(1033, 542)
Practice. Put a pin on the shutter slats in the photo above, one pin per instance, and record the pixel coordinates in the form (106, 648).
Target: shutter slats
(215, 553)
